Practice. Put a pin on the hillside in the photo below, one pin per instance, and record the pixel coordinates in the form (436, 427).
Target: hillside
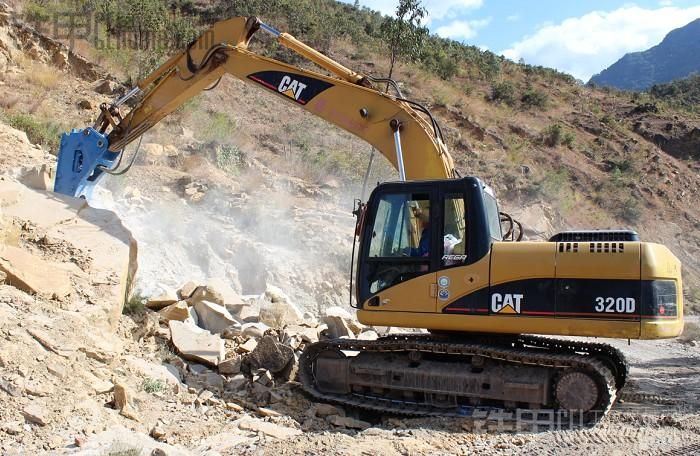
(676, 57)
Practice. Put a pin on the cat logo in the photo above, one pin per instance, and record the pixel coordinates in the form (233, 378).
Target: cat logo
(506, 303)
(296, 87)
(291, 88)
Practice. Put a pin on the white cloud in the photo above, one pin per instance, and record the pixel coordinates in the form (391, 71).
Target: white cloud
(666, 2)
(586, 45)
(513, 18)
(462, 30)
(437, 9)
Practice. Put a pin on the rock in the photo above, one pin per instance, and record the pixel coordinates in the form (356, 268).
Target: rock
(213, 317)
(233, 406)
(38, 388)
(306, 334)
(159, 302)
(262, 411)
(279, 310)
(256, 330)
(248, 346)
(198, 369)
(236, 383)
(118, 440)
(368, 335)
(69, 223)
(12, 427)
(207, 293)
(158, 431)
(105, 87)
(3, 277)
(36, 414)
(264, 378)
(167, 373)
(85, 104)
(122, 402)
(336, 311)
(196, 344)
(38, 177)
(223, 289)
(33, 274)
(179, 311)
(346, 421)
(13, 388)
(268, 354)
(231, 366)
(186, 290)
(337, 327)
(223, 443)
(209, 381)
(247, 313)
(270, 429)
(322, 410)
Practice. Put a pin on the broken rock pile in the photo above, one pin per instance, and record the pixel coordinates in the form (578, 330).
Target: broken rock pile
(243, 349)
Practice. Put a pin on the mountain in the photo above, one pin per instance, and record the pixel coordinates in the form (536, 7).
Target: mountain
(677, 56)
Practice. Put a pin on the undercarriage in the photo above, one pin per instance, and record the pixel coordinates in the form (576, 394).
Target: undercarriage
(452, 375)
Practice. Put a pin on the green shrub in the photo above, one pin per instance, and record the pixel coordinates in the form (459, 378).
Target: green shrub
(136, 304)
(533, 98)
(555, 135)
(229, 157)
(153, 385)
(43, 132)
(503, 92)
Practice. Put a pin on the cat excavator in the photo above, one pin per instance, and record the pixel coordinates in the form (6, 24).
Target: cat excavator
(431, 252)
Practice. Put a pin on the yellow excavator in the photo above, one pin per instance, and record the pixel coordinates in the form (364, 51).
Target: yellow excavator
(431, 253)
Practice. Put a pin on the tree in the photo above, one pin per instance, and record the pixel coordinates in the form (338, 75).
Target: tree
(404, 33)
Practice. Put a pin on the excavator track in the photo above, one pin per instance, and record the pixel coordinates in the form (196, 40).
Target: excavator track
(581, 375)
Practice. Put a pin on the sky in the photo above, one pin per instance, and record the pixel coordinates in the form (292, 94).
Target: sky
(579, 37)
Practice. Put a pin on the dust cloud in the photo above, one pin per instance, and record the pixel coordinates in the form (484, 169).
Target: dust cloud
(282, 233)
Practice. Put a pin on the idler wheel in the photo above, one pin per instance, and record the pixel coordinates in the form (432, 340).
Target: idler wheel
(576, 390)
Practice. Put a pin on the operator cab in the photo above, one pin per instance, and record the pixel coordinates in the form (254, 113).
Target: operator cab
(417, 228)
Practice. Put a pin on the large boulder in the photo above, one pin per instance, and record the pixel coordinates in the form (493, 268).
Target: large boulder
(83, 230)
(269, 354)
(278, 310)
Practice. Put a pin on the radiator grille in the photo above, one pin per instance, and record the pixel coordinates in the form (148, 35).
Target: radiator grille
(596, 236)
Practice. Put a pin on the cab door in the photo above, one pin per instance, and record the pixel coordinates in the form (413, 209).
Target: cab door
(397, 272)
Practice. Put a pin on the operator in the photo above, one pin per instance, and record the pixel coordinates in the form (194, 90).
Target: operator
(423, 249)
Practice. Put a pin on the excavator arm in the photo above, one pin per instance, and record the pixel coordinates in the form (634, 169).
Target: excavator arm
(402, 130)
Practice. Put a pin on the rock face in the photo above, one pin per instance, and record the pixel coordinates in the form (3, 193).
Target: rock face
(677, 56)
(196, 344)
(70, 224)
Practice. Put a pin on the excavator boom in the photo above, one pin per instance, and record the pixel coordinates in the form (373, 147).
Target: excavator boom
(345, 99)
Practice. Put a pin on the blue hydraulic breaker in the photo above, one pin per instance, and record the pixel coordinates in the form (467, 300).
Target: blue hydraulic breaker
(82, 158)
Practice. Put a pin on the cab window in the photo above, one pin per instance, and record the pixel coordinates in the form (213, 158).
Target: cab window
(454, 230)
(400, 240)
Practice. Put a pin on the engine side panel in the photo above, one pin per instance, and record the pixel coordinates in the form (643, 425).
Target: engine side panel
(629, 290)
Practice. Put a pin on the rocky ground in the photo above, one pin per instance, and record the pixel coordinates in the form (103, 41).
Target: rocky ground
(235, 276)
